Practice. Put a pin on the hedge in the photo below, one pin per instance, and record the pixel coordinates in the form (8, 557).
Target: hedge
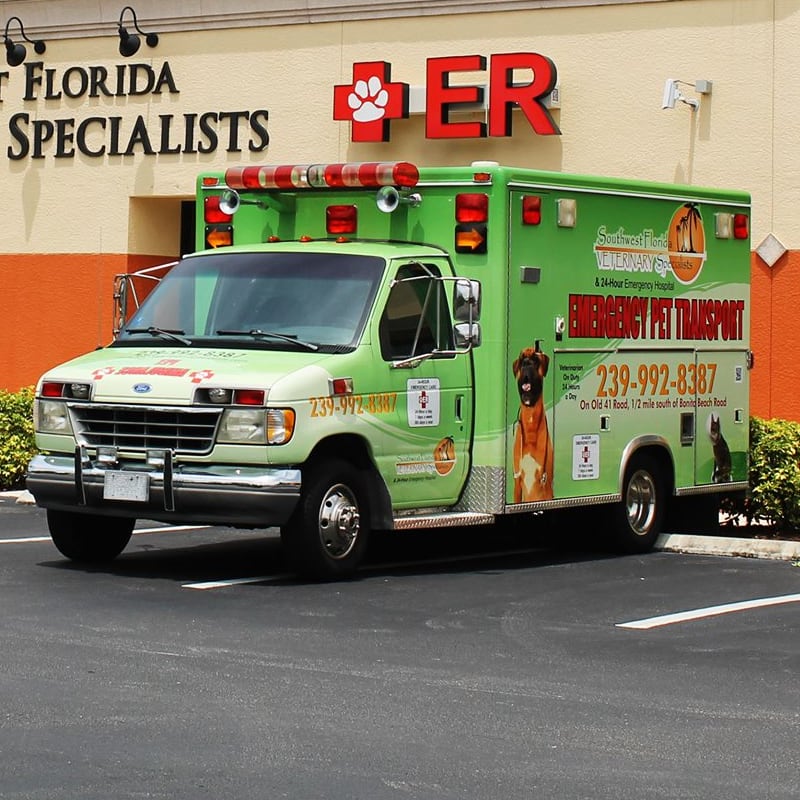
(16, 436)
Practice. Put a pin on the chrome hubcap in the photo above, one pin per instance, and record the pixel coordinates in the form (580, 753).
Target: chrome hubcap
(640, 502)
(339, 521)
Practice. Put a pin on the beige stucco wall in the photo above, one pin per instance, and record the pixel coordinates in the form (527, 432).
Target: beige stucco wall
(612, 62)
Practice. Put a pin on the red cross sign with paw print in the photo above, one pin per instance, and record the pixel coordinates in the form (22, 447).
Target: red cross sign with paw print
(371, 101)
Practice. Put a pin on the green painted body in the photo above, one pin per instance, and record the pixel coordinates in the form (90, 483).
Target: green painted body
(635, 320)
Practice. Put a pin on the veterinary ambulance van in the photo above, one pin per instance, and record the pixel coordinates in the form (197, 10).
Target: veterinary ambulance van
(376, 346)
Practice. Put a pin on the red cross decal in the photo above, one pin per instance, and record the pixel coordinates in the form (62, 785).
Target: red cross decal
(370, 102)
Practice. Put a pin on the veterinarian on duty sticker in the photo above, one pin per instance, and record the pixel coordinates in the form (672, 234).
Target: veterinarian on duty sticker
(423, 402)
(585, 457)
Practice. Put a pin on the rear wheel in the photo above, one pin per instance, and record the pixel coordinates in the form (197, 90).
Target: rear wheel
(639, 518)
(90, 538)
(327, 534)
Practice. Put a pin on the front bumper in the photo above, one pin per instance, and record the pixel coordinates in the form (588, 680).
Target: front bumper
(224, 494)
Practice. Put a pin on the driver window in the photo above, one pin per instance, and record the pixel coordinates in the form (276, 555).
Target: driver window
(416, 319)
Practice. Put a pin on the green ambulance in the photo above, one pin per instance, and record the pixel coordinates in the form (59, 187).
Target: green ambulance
(377, 346)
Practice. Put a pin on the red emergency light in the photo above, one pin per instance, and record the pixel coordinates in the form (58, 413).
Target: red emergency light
(212, 213)
(531, 209)
(341, 219)
(472, 208)
(321, 176)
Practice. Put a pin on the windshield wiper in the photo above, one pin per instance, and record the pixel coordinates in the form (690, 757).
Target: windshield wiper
(174, 336)
(284, 337)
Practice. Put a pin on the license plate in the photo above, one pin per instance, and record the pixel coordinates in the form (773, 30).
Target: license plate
(131, 486)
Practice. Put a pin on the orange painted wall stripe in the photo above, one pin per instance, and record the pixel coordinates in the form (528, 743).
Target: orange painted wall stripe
(55, 307)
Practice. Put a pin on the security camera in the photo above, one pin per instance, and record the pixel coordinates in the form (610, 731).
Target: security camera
(671, 93)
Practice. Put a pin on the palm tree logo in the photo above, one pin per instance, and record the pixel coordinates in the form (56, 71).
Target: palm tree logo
(687, 243)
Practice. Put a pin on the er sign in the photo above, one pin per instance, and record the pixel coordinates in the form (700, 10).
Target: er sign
(516, 80)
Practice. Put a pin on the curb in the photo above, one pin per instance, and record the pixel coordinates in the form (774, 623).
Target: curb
(22, 497)
(775, 549)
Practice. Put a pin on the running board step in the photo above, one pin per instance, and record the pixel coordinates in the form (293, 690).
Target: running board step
(453, 519)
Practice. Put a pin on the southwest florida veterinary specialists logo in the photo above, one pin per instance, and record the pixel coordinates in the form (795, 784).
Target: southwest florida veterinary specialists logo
(680, 249)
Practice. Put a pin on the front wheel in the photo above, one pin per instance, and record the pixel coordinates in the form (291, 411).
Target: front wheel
(639, 518)
(327, 534)
(89, 538)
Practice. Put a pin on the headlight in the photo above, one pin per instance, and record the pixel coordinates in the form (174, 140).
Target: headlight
(50, 416)
(243, 425)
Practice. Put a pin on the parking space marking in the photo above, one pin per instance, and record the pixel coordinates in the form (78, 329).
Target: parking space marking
(206, 585)
(136, 532)
(710, 611)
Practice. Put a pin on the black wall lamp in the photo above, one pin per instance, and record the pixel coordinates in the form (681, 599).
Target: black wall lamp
(15, 53)
(129, 43)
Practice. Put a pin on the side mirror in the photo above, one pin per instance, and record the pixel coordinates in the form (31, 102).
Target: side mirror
(467, 300)
(467, 335)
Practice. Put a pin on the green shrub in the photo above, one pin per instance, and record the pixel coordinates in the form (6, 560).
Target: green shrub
(774, 494)
(16, 436)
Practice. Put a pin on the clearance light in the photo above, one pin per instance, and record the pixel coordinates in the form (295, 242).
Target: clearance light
(209, 181)
(303, 176)
(531, 210)
(341, 219)
(340, 386)
(741, 226)
(212, 213)
(723, 225)
(472, 208)
(567, 212)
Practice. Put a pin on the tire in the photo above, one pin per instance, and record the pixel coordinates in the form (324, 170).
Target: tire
(327, 535)
(89, 538)
(639, 518)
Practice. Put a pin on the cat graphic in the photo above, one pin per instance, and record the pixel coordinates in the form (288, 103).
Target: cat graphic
(722, 453)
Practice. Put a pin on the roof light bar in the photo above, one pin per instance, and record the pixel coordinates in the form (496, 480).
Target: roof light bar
(324, 176)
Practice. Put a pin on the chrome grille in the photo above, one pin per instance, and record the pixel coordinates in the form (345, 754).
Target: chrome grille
(145, 427)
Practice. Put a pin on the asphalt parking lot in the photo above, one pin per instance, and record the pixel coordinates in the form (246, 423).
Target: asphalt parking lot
(464, 666)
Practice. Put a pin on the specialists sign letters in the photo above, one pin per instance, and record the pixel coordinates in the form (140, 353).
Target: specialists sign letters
(35, 136)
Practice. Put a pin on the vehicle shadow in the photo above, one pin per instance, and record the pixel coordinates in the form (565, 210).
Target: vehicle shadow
(219, 554)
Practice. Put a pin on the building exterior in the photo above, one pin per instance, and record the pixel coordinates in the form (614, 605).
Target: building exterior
(99, 151)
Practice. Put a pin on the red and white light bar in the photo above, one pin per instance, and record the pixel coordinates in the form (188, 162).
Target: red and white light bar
(373, 174)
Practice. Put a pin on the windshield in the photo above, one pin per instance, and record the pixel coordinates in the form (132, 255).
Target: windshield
(286, 301)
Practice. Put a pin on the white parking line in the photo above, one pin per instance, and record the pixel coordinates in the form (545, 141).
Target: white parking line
(205, 585)
(710, 611)
(137, 531)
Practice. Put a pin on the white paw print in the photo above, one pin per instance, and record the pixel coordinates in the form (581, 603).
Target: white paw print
(368, 100)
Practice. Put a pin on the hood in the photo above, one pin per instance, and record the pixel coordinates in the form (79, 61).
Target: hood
(156, 375)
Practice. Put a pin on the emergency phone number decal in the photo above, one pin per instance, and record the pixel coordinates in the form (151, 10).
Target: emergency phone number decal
(618, 380)
(380, 403)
